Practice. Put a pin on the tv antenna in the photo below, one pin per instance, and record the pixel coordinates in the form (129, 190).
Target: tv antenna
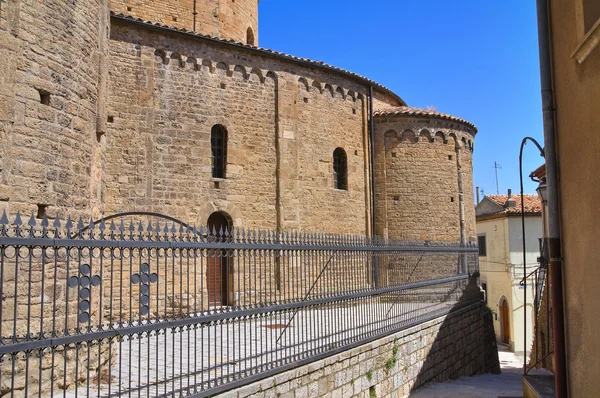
(496, 167)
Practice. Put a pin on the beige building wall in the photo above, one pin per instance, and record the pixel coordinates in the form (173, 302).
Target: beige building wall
(576, 76)
(501, 271)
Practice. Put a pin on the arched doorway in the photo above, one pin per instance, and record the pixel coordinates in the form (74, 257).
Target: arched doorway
(504, 321)
(218, 268)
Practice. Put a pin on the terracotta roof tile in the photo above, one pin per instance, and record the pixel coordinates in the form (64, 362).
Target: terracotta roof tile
(320, 64)
(411, 111)
(531, 203)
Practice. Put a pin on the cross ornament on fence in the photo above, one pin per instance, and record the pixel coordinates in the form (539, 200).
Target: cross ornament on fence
(84, 283)
(144, 278)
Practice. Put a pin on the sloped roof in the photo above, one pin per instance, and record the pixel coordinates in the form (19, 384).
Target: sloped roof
(263, 51)
(418, 112)
(532, 203)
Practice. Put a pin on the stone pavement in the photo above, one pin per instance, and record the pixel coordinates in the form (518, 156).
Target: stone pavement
(507, 384)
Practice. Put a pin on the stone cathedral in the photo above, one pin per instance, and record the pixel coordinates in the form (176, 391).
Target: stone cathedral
(171, 106)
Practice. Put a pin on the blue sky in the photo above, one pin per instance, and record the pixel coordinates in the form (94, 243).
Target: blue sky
(471, 58)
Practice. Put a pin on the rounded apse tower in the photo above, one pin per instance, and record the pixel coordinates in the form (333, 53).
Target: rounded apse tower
(424, 176)
(54, 78)
(226, 19)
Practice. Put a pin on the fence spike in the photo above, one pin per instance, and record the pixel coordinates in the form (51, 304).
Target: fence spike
(56, 223)
(69, 224)
(80, 225)
(112, 227)
(92, 225)
(45, 222)
(173, 230)
(199, 232)
(4, 218)
(102, 225)
(32, 222)
(18, 220)
(140, 227)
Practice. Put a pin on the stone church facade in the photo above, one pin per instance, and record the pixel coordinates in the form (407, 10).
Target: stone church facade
(171, 107)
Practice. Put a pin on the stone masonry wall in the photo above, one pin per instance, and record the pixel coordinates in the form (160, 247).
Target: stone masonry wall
(417, 179)
(167, 92)
(50, 96)
(225, 19)
(445, 348)
(158, 151)
(51, 52)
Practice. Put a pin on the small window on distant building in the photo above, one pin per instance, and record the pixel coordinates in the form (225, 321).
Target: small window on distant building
(340, 169)
(218, 146)
(591, 13)
(482, 245)
(250, 37)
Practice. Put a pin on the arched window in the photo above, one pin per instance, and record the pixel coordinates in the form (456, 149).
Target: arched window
(250, 37)
(218, 146)
(340, 169)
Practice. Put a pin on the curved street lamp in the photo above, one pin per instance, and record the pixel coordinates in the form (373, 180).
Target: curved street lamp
(541, 191)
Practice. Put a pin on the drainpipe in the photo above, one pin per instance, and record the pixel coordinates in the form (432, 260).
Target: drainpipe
(461, 207)
(375, 269)
(372, 137)
(554, 245)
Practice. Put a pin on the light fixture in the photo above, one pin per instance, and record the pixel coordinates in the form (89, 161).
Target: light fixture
(542, 190)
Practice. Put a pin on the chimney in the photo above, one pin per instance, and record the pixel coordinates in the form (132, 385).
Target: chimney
(510, 202)
(477, 189)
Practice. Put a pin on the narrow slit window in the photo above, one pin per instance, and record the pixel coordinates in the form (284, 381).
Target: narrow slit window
(250, 37)
(340, 169)
(218, 145)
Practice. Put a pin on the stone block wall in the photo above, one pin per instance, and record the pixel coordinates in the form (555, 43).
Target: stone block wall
(166, 93)
(50, 91)
(445, 348)
(418, 189)
(158, 153)
(224, 19)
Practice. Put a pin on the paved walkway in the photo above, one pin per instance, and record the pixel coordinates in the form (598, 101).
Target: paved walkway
(507, 384)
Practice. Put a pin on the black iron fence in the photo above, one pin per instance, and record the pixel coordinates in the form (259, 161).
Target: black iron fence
(141, 304)
(542, 348)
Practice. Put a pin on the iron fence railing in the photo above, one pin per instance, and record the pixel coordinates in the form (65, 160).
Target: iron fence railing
(542, 348)
(145, 305)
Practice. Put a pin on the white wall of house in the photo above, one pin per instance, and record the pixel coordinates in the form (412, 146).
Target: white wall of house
(502, 270)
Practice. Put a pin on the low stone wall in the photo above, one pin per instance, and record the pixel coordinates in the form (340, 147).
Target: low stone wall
(458, 344)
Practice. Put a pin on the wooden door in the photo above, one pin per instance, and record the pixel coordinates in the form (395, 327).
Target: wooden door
(217, 263)
(214, 278)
